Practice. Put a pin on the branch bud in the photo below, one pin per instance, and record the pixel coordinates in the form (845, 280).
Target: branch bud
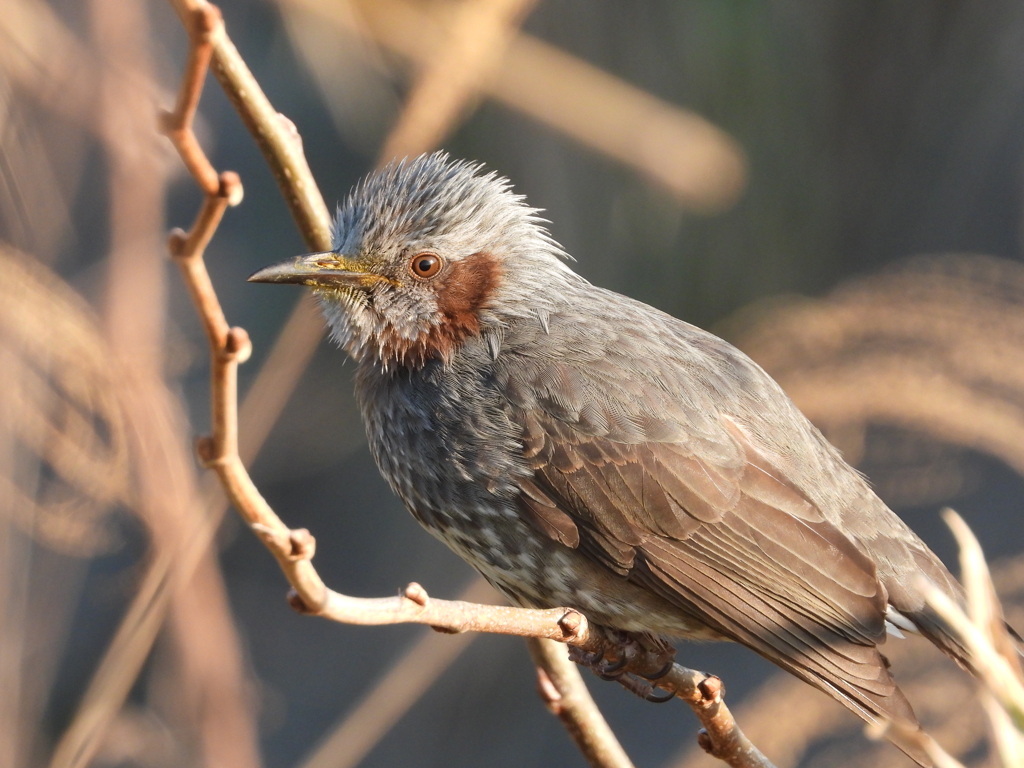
(289, 126)
(417, 594)
(230, 188)
(572, 625)
(176, 242)
(237, 346)
(302, 545)
(711, 689)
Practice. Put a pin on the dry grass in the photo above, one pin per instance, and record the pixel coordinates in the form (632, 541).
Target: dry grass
(676, 149)
(68, 464)
(930, 346)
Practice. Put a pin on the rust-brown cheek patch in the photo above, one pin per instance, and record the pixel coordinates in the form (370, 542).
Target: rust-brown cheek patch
(463, 290)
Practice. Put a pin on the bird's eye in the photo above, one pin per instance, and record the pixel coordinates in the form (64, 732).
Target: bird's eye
(425, 265)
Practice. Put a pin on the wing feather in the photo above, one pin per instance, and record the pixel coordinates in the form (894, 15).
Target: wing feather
(730, 541)
(649, 444)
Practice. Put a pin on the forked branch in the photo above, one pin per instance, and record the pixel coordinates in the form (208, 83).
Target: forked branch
(294, 549)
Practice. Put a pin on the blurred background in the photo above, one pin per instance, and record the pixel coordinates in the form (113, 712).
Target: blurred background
(834, 187)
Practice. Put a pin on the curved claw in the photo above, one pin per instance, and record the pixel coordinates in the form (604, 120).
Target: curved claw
(611, 671)
(654, 698)
(662, 672)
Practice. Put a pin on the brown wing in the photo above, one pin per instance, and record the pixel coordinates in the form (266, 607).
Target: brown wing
(714, 528)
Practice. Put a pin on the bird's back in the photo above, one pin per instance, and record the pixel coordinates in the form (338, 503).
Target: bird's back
(614, 368)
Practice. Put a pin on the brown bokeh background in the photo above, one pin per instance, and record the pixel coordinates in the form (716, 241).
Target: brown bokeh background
(836, 188)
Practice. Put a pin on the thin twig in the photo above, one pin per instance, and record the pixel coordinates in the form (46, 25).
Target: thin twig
(564, 693)
(206, 25)
(294, 549)
(720, 737)
(275, 134)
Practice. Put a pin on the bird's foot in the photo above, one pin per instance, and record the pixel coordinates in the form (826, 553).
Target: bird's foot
(627, 647)
(624, 645)
(644, 689)
(585, 658)
(650, 681)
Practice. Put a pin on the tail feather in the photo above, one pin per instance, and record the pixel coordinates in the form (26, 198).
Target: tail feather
(877, 709)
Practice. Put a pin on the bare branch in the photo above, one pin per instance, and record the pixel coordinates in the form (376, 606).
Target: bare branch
(275, 134)
(720, 737)
(206, 26)
(566, 696)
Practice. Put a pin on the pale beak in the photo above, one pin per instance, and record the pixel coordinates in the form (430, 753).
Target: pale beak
(322, 270)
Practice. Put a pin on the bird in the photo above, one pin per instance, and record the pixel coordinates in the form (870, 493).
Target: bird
(582, 449)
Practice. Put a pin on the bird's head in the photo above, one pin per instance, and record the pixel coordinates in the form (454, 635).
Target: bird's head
(426, 254)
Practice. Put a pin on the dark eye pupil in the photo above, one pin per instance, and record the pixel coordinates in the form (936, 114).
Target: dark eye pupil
(426, 265)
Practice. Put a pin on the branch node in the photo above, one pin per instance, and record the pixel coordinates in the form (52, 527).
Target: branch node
(711, 690)
(302, 545)
(230, 188)
(573, 624)
(298, 604)
(206, 450)
(176, 242)
(166, 122)
(207, 21)
(275, 539)
(237, 346)
(417, 594)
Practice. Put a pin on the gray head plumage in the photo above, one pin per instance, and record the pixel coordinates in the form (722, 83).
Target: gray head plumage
(432, 199)
(490, 258)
